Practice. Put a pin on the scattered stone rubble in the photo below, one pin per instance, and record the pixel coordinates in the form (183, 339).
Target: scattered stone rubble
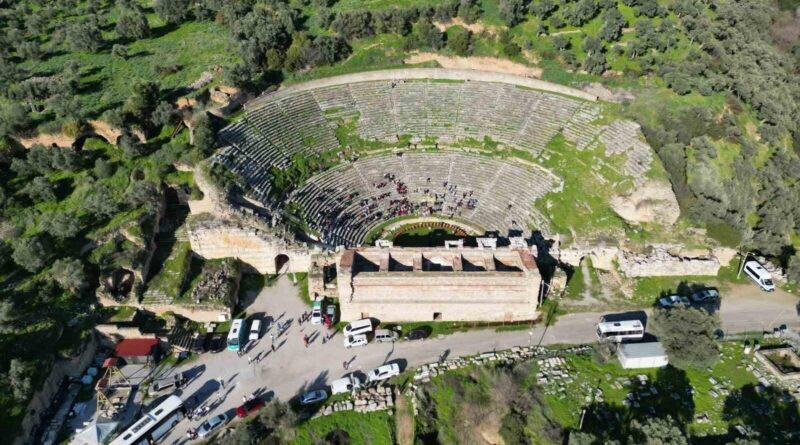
(513, 355)
(551, 359)
(216, 286)
(376, 398)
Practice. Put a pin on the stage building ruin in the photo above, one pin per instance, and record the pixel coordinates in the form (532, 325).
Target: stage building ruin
(432, 284)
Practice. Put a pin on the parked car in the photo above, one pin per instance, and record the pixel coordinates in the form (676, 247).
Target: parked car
(313, 397)
(672, 300)
(217, 343)
(199, 342)
(177, 381)
(249, 407)
(330, 311)
(316, 313)
(255, 330)
(346, 384)
(418, 334)
(211, 425)
(355, 340)
(383, 372)
(362, 326)
(705, 295)
(385, 335)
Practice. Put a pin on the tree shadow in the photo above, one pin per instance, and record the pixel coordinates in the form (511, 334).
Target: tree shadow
(669, 393)
(771, 414)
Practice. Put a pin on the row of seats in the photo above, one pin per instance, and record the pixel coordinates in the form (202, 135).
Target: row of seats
(453, 111)
(303, 123)
(343, 204)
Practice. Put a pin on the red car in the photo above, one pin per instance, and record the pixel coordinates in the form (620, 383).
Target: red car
(250, 406)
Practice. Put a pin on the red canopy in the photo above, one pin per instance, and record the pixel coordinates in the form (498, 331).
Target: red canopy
(135, 347)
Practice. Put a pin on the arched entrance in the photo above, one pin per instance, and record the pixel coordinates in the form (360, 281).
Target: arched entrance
(81, 140)
(281, 264)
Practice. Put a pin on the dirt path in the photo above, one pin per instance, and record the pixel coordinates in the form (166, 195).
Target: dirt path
(476, 27)
(476, 63)
(404, 421)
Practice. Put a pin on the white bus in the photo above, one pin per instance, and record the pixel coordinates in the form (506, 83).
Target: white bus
(760, 275)
(620, 330)
(237, 334)
(154, 425)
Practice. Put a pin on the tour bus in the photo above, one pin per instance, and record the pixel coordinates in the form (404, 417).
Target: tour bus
(237, 335)
(760, 275)
(618, 331)
(154, 425)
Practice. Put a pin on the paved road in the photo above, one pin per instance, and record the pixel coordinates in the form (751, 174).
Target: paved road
(293, 368)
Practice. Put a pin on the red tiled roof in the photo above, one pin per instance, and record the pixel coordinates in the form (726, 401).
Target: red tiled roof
(135, 347)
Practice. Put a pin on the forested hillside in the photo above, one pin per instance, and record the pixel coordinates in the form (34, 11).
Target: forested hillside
(714, 83)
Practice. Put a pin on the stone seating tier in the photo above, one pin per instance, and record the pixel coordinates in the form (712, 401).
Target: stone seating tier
(343, 204)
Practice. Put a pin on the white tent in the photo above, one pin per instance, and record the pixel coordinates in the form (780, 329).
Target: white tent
(94, 434)
(642, 355)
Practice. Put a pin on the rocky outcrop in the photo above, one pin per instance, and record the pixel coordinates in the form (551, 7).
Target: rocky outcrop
(652, 202)
(95, 127)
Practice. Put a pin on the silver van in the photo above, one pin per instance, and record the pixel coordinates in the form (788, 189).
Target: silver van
(385, 335)
(362, 326)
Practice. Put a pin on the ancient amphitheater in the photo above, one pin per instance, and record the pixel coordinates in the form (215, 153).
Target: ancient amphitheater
(342, 204)
(462, 149)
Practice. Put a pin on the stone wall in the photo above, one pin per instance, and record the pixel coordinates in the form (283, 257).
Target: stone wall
(254, 247)
(656, 260)
(662, 261)
(43, 398)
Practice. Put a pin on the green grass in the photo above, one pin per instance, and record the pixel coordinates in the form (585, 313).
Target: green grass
(302, 287)
(424, 237)
(582, 205)
(106, 80)
(121, 314)
(567, 405)
(171, 279)
(374, 428)
(383, 51)
(727, 235)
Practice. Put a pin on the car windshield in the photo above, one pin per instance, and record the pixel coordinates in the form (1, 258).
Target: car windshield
(768, 282)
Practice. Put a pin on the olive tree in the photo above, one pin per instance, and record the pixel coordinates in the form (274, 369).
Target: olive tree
(688, 335)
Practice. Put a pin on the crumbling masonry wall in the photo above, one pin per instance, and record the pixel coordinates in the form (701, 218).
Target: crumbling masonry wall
(256, 248)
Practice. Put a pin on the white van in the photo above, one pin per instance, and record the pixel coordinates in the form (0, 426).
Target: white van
(355, 340)
(385, 335)
(255, 330)
(346, 384)
(760, 275)
(358, 327)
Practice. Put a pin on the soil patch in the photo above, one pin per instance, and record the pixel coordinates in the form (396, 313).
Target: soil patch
(476, 63)
(476, 27)
(404, 422)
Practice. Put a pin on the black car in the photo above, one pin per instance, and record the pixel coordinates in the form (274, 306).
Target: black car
(215, 343)
(418, 333)
(199, 343)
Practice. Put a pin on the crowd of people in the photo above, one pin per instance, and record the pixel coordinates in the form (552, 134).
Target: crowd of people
(384, 205)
